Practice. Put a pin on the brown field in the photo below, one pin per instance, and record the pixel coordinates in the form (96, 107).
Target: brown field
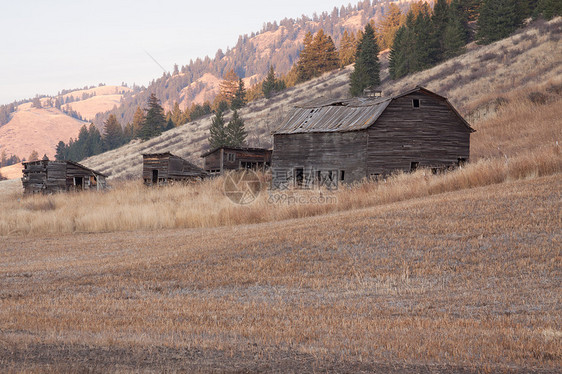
(465, 281)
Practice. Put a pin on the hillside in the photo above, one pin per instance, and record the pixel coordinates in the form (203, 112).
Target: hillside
(478, 83)
(278, 44)
(41, 129)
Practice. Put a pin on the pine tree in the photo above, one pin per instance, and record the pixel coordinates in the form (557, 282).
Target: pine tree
(217, 131)
(348, 46)
(325, 54)
(177, 115)
(169, 125)
(455, 36)
(95, 141)
(389, 25)
(497, 20)
(268, 85)
(154, 121)
(235, 132)
(305, 64)
(113, 133)
(138, 120)
(34, 156)
(367, 67)
(239, 100)
(228, 87)
(62, 151)
(36, 103)
(549, 8)
(438, 25)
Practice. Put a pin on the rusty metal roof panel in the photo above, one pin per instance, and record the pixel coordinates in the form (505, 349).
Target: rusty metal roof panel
(323, 115)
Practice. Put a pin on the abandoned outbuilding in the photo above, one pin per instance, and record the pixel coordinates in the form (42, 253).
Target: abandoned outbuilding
(219, 160)
(166, 168)
(47, 176)
(329, 141)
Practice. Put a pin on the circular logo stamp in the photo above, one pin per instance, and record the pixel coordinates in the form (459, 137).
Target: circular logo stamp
(242, 186)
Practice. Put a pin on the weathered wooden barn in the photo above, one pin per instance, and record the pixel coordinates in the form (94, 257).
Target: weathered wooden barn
(47, 176)
(221, 159)
(166, 168)
(348, 140)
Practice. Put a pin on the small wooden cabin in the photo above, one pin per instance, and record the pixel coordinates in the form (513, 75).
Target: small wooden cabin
(165, 168)
(349, 140)
(47, 176)
(221, 159)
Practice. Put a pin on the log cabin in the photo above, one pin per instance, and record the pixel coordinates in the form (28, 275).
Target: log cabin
(166, 168)
(48, 176)
(328, 142)
(221, 159)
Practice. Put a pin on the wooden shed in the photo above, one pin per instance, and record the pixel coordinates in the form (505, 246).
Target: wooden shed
(221, 159)
(348, 140)
(166, 168)
(47, 176)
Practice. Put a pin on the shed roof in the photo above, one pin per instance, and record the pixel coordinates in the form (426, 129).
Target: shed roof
(47, 161)
(330, 115)
(187, 167)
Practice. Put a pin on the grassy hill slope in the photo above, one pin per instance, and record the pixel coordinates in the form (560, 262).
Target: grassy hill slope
(41, 129)
(515, 75)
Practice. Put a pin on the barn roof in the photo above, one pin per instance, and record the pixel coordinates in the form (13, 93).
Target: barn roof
(47, 161)
(187, 167)
(330, 115)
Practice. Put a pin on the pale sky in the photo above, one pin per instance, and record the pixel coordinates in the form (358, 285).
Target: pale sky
(48, 46)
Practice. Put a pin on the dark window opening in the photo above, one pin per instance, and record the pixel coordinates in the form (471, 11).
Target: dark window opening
(154, 176)
(231, 157)
(299, 177)
(342, 175)
(414, 166)
(461, 161)
(78, 181)
(416, 103)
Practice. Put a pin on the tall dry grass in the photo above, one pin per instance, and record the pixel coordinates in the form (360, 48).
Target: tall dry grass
(520, 141)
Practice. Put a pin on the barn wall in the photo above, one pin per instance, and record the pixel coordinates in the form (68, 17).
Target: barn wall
(212, 161)
(155, 162)
(431, 135)
(322, 151)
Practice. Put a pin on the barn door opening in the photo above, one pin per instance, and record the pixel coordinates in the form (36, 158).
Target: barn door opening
(154, 176)
(78, 183)
(414, 166)
(299, 177)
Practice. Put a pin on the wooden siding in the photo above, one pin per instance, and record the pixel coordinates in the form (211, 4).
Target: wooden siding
(212, 161)
(431, 135)
(169, 168)
(322, 152)
(56, 176)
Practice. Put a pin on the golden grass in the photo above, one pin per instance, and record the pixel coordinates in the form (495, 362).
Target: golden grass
(463, 280)
(519, 143)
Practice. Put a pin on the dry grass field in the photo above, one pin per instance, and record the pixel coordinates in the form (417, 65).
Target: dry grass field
(463, 281)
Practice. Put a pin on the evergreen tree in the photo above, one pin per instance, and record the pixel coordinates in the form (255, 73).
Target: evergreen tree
(95, 141)
(438, 25)
(348, 46)
(154, 121)
(498, 19)
(325, 54)
(169, 125)
(235, 132)
(177, 115)
(36, 103)
(228, 87)
(456, 33)
(305, 64)
(138, 120)
(389, 25)
(549, 8)
(239, 100)
(62, 151)
(3, 159)
(218, 136)
(269, 85)
(113, 133)
(34, 156)
(367, 67)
